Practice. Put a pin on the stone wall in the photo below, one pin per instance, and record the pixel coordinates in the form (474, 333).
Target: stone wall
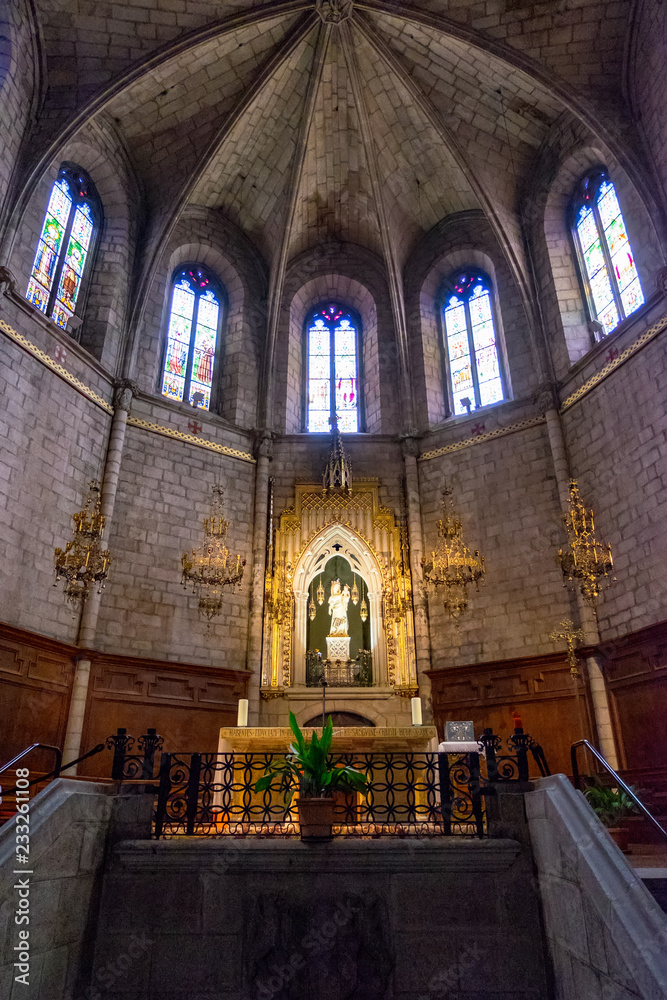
(505, 490)
(163, 496)
(604, 930)
(616, 438)
(373, 919)
(54, 443)
(71, 823)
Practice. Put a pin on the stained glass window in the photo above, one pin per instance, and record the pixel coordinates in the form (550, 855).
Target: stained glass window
(68, 233)
(333, 379)
(610, 275)
(192, 334)
(474, 366)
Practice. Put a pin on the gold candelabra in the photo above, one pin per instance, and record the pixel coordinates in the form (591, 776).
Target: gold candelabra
(452, 566)
(83, 562)
(570, 635)
(209, 568)
(586, 560)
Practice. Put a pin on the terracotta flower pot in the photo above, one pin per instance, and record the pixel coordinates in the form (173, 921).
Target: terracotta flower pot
(621, 837)
(316, 818)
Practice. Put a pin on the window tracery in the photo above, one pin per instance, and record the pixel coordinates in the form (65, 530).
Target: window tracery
(332, 377)
(64, 251)
(474, 365)
(192, 334)
(607, 265)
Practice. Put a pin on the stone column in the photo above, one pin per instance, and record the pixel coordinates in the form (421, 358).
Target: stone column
(91, 609)
(263, 452)
(422, 637)
(587, 619)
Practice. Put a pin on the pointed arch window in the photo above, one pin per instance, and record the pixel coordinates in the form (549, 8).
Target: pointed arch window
(195, 317)
(606, 262)
(65, 250)
(332, 350)
(475, 373)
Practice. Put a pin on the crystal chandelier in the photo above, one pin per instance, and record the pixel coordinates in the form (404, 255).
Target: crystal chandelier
(452, 566)
(586, 560)
(210, 568)
(83, 562)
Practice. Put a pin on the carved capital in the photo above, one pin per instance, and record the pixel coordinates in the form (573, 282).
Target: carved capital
(263, 444)
(546, 397)
(409, 445)
(334, 11)
(7, 281)
(124, 392)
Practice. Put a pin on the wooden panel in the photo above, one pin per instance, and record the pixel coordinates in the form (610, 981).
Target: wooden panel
(35, 682)
(540, 689)
(187, 704)
(636, 672)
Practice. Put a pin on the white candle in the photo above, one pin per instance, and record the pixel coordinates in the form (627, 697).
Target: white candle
(416, 711)
(242, 719)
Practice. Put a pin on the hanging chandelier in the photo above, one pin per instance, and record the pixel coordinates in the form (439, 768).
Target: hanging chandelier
(83, 562)
(586, 560)
(452, 567)
(210, 567)
(312, 610)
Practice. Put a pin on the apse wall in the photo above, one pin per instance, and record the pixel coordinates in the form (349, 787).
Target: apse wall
(163, 496)
(54, 440)
(617, 438)
(505, 491)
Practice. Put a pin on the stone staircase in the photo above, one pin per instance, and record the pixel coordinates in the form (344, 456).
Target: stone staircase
(649, 862)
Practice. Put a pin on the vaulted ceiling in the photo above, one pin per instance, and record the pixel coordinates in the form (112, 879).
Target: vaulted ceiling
(303, 122)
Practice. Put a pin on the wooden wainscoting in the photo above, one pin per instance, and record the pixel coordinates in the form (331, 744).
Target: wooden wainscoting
(187, 704)
(539, 688)
(36, 676)
(636, 672)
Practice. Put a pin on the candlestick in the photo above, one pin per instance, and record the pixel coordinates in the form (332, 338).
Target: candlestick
(416, 704)
(242, 718)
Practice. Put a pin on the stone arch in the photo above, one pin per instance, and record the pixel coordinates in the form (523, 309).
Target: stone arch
(354, 277)
(203, 237)
(459, 241)
(98, 152)
(358, 553)
(574, 338)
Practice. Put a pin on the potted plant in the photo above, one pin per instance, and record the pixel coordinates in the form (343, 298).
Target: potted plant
(307, 768)
(610, 806)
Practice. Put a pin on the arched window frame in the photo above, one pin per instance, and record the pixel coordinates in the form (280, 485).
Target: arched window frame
(216, 286)
(452, 287)
(344, 311)
(82, 192)
(587, 194)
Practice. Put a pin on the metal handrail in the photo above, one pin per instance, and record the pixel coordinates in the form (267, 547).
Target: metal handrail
(57, 771)
(617, 778)
(43, 746)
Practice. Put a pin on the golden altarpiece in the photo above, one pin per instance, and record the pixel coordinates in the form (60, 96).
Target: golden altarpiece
(339, 556)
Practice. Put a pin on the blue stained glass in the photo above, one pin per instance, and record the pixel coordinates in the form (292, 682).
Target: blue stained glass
(471, 344)
(191, 340)
(332, 386)
(65, 213)
(600, 230)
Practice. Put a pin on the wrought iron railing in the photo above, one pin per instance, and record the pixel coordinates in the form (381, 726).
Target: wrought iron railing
(204, 794)
(339, 673)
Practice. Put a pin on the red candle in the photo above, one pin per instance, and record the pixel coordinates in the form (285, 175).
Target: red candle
(517, 720)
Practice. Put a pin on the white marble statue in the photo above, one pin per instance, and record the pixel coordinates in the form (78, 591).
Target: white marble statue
(338, 602)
